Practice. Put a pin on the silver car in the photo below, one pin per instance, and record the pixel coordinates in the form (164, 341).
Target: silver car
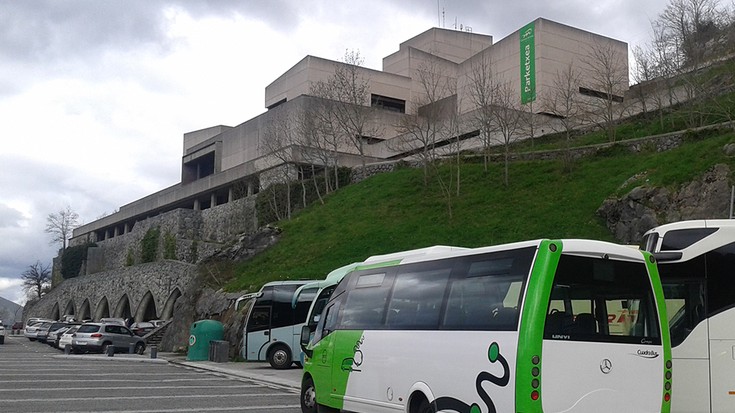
(99, 337)
(31, 331)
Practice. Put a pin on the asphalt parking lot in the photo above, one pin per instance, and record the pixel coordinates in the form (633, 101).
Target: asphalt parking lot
(37, 377)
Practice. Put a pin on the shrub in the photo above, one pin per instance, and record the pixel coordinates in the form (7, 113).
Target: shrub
(149, 245)
(72, 259)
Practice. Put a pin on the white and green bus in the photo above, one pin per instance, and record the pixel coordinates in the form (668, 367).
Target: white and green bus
(696, 262)
(546, 325)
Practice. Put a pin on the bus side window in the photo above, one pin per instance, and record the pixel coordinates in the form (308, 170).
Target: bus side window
(417, 298)
(365, 304)
(720, 279)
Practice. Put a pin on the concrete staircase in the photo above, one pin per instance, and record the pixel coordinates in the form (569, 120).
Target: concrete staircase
(154, 337)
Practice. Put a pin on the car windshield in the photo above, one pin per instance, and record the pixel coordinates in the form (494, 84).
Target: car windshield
(72, 329)
(89, 328)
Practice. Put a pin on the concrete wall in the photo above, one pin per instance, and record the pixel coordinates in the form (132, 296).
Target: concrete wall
(166, 281)
(209, 229)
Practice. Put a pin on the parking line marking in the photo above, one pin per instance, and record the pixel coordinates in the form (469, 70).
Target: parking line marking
(212, 409)
(106, 398)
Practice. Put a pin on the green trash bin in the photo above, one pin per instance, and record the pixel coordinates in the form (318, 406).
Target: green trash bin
(200, 334)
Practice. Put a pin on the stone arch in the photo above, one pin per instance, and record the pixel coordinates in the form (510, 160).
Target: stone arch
(84, 311)
(55, 312)
(168, 308)
(122, 309)
(102, 310)
(70, 308)
(146, 309)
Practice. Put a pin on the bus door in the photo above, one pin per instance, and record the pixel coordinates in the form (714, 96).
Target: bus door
(258, 333)
(602, 344)
(685, 307)
(323, 351)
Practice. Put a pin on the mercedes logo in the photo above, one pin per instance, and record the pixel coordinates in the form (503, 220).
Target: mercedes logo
(605, 366)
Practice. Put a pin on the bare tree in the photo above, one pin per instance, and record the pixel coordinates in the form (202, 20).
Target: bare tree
(481, 90)
(349, 113)
(61, 224)
(563, 101)
(278, 141)
(36, 279)
(324, 131)
(433, 105)
(607, 74)
(509, 119)
(691, 24)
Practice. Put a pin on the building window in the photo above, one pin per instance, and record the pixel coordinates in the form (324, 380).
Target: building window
(386, 103)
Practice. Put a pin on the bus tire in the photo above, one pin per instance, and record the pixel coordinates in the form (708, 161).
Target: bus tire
(308, 396)
(421, 405)
(280, 357)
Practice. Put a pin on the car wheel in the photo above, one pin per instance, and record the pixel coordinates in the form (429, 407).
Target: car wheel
(106, 348)
(279, 357)
(139, 348)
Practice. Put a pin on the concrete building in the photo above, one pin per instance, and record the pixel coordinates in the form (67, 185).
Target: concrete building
(224, 163)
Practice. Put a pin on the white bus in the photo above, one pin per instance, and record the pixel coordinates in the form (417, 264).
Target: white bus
(272, 326)
(546, 325)
(696, 261)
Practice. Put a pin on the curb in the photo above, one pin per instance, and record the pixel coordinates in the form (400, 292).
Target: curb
(271, 381)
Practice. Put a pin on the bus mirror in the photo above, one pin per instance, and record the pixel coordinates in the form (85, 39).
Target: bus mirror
(305, 339)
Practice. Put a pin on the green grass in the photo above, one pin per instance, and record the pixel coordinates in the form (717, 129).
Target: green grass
(395, 211)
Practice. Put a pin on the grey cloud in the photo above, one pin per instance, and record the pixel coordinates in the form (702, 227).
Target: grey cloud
(9, 217)
(49, 30)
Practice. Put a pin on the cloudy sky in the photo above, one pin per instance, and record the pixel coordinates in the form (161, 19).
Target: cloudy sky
(95, 95)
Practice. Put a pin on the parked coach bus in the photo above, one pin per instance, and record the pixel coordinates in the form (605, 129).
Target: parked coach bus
(546, 325)
(272, 326)
(696, 261)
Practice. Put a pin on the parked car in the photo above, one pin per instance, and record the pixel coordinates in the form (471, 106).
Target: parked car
(141, 329)
(2, 333)
(31, 331)
(54, 337)
(98, 337)
(67, 336)
(157, 323)
(46, 328)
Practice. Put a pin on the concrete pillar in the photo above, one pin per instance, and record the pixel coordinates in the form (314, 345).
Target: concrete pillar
(250, 188)
(107, 234)
(117, 231)
(213, 200)
(197, 207)
(127, 228)
(230, 195)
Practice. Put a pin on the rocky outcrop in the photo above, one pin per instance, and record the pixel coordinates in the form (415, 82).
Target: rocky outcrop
(645, 207)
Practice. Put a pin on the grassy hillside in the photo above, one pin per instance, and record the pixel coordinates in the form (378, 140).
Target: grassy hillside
(393, 212)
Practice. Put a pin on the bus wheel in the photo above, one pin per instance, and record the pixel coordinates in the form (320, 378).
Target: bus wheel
(421, 405)
(280, 357)
(308, 396)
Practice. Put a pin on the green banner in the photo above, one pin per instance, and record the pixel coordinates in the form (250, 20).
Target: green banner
(528, 64)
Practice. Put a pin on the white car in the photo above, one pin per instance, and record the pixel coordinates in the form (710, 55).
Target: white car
(66, 338)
